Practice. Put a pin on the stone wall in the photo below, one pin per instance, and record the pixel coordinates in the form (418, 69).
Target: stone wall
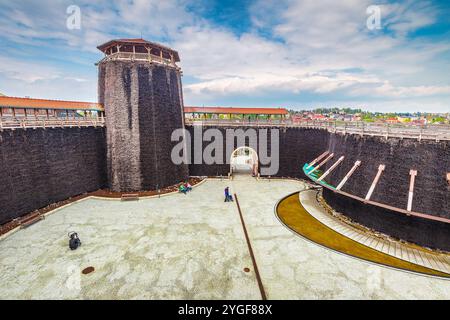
(296, 147)
(430, 158)
(40, 167)
(143, 106)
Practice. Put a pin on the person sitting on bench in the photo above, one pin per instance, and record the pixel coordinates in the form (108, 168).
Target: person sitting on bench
(182, 189)
(188, 186)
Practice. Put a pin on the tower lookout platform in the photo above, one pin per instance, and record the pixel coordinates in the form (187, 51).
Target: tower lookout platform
(140, 88)
(139, 50)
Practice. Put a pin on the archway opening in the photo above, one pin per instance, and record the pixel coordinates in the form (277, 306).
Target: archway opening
(244, 160)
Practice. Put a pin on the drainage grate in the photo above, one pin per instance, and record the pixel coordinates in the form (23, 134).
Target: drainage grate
(88, 270)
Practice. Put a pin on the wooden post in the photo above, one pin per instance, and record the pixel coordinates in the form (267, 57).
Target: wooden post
(322, 163)
(348, 175)
(381, 168)
(413, 174)
(317, 159)
(331, 168)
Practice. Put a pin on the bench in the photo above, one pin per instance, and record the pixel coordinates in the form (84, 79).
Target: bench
(129, 197)
(30, 219)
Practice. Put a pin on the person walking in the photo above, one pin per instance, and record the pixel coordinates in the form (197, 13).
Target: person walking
(228, 196)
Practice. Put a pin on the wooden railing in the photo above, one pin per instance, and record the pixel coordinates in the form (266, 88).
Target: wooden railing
(425, 132)
(435, 132)
(12, 123)
(139, 57)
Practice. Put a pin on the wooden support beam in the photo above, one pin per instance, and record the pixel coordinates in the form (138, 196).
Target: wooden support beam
(413, 174)
(348, 175)
(317, 159)
(322, 163)
(331, 168)
(381, 168)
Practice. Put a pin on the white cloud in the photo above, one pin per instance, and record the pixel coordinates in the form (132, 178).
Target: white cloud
(316, 47)
(320, 41)
(26, 72)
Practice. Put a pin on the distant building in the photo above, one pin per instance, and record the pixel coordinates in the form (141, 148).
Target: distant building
(392, 120)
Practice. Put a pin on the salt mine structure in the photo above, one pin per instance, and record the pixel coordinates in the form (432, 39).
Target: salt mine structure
(393, 183)
(139, 85)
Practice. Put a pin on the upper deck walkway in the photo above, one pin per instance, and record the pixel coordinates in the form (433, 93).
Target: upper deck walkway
(436, 132)
(12, 123)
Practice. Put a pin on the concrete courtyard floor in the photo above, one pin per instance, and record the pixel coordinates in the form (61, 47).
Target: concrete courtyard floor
(191, 247)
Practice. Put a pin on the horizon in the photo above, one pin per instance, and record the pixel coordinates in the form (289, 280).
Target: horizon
(292, 54)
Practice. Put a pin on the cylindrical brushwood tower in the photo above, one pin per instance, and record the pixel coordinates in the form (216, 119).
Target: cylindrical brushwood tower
(140, 87)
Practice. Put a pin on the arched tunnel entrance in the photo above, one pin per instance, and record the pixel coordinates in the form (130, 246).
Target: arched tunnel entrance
(244, 160)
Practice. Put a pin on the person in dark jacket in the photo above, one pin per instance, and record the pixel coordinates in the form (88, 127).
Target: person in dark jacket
(228, 196)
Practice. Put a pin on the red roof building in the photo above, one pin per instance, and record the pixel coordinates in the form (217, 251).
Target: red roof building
(29, 103)
(239, 111)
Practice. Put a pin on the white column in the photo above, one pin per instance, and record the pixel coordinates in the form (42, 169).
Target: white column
(331, 168)
(322, 163)
(413, 174)
(348, 175)
(381, 168)
(317, 159)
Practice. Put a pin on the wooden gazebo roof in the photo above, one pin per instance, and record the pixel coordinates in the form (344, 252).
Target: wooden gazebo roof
(142, 42)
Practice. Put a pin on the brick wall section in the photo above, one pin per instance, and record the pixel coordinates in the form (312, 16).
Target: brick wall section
(299, 146)
(431, 159)
(40, 167)
(143, 106)
(296, 147)
(432, 234)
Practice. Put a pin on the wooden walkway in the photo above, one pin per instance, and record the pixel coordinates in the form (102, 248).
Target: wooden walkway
(9, 123)
(402, 131)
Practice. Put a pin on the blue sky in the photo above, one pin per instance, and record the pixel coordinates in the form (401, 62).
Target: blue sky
(268, 53)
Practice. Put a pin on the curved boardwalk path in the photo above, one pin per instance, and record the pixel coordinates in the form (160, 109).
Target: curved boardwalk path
(294, 215)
